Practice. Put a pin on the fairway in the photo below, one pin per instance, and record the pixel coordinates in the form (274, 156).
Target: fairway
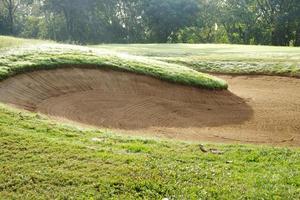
(220, 58)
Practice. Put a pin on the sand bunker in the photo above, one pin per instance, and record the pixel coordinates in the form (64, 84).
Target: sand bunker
(255, 110)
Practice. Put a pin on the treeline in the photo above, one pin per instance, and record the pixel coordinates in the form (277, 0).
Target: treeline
(266, 22)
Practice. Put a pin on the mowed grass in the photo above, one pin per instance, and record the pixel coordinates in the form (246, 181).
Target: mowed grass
(40, 159)
(218, 58)
(27, 58)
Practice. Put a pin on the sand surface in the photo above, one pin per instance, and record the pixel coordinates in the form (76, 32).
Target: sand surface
(256, 109)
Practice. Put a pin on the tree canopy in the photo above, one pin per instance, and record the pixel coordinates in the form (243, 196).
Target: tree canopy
(265, 22)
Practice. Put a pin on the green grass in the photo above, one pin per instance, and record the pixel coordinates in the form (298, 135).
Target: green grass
(6, 42)
(40, 159)
(49, 56)
(228, 59)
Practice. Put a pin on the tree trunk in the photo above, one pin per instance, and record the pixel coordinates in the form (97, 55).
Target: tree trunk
(10, 18)
(297, 41)
(11, 7)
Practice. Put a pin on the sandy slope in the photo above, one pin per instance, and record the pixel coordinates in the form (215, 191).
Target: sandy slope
(258, 109)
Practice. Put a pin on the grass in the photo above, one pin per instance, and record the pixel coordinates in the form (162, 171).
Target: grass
(50, 56)
(228, 59)
(40, 159)
(7, 42)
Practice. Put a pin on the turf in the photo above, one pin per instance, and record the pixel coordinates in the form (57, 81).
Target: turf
(228, 59)
(6, 42)
(40, 159)
(50, 56)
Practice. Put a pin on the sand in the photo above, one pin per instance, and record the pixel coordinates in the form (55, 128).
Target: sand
(255, 109)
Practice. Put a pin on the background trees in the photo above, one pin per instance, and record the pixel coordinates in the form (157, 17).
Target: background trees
(9, 8)
(164, 18)
(269, 22)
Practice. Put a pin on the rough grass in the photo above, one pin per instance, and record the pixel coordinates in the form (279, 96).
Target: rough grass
(40, 159)
(49, 56)
(228, 59)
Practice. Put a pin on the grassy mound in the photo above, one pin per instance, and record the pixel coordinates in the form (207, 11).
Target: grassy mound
(50, 56)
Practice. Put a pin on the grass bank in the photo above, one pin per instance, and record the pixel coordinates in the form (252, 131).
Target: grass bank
(40, 159)
(50, 56)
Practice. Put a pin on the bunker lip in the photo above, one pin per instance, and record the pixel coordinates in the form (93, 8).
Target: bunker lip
(263, 110)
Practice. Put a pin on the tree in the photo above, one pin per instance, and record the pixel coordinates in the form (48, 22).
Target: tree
(72, 12)
(10, 6)
(166, 17)
(2, 19)
(277, 14)
(241, 21)
(275, 22)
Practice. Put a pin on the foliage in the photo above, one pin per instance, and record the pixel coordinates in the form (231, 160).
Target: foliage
(195, 34)
(267, 22)
(166, 17)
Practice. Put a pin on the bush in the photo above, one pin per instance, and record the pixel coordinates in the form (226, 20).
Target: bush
(200, 35)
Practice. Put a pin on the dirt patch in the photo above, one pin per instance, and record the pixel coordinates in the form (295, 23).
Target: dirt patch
(255, 110)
